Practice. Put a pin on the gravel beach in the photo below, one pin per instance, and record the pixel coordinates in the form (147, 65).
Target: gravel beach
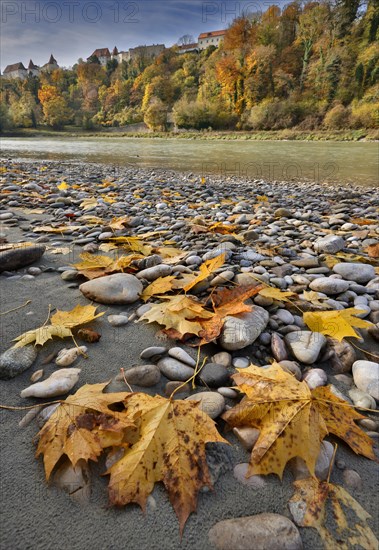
(302, 238)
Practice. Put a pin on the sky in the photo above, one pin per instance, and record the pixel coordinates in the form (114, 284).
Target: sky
(73, 29)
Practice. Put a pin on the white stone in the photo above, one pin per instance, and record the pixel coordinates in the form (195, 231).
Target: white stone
(254, 481)
(174, 369)
(211, 403)
(242, 330)
(58, 383)
(260, 532)
(300, 470)
(120, 288)
(330, 244)
(181, 355)
(315, 378)
(305, 345)
(362, 399)
(329, 285)
(358, 272)
(366, 377)
(118, 320)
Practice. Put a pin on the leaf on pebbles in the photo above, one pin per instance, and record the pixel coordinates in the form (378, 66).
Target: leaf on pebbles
(275, 294)
(314, 298)
(319, 503)
(61, 324)
(181, 313)
(171, 449)
(226, 302)
(82, 426)
(336, 323)
(159, 286)
(94, 266)
(292, 419)
(206, 269)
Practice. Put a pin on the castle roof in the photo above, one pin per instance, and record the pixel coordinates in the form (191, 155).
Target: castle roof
(32, 66)
(211, 34)
(15, 67)
(101, 52)
(115, 51)
(52, 61)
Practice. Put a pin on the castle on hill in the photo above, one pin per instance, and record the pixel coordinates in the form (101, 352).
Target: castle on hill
(103, 55)
(18, 70)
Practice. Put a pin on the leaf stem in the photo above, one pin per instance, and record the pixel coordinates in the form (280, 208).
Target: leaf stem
(16, 308)
(364, 351)
(197, 370)
(332, 463)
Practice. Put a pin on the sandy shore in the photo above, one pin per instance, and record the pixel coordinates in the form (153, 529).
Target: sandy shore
(38, 516)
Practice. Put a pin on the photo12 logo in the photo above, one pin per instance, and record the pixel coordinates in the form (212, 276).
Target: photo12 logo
(54, 11)
(226, 12)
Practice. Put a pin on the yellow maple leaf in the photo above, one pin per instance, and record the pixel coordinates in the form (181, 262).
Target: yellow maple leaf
(206, 269)
(336, 323)
(92, 261)
(171, 449)
(275, 294)
(134, 244)
(222, 228)
(292, 419)
(88, 203)
(314, 298)
(61, 324)
(159, 286)
(180, 313)
(82, 426)
(118, 223)
(59, 229)
(62, 186)
(308, 507)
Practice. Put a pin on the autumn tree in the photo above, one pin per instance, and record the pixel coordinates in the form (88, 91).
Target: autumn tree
(55, 108)
(155, 116)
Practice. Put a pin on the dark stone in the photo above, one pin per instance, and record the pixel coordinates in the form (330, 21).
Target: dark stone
(16, 258)
(214, 375)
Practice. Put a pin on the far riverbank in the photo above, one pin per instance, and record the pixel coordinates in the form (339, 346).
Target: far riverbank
(272, 135)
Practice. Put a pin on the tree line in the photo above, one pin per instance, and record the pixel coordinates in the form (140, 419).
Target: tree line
(308, 66)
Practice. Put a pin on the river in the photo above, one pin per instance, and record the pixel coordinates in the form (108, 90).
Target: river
(340, 162)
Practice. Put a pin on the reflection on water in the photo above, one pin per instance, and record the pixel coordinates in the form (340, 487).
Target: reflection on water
(342, 162)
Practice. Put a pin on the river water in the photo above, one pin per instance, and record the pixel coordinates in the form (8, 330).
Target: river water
(341, 162)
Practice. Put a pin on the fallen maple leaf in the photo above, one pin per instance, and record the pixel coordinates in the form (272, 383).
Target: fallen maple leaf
(336, 323)
(222, 228)
(314, 298)
(308, 507)
(133, 243)
(171, 449)
(82, 426)
(59, 229)
(159, 286)
(364, 221)
(181, 313)
(226, 302)
(94, 266)
(373, 250)
(62, 186)
(206, 269)
(61, 324)
(119, 223)
(292, 419)
(91, 202)
(275, 294)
